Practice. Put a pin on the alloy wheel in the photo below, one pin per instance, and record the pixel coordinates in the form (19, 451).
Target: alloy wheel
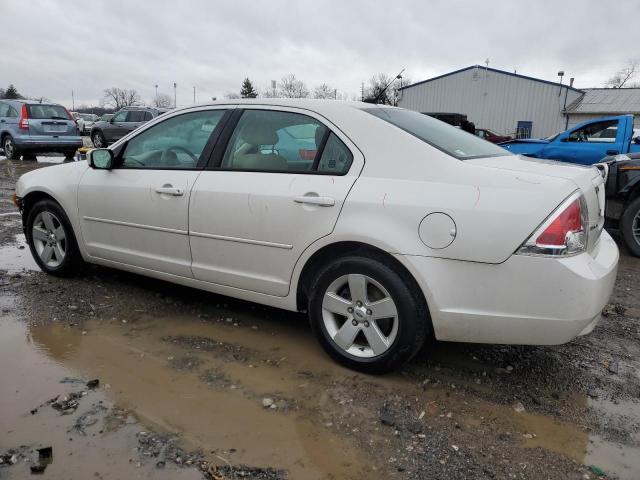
(8, 148)
(635, 227)
(49, 239)
(97, 140)
(360, 315)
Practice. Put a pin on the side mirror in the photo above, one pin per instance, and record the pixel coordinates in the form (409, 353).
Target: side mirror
(637, 140)
(101, 159)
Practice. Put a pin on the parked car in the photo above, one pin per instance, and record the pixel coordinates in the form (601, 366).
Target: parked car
(623, 197)
(455, 119)
(492, 136)
(28, 127)
(399, 228)
(84, 121)
(587, 143)
(121, 123)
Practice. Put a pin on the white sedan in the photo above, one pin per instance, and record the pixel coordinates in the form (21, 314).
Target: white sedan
(385, 225)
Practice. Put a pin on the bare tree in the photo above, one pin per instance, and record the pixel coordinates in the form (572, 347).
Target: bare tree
(376, 93)
(120, 97)
(162, 101)
(324, 91)
(291, 87)
(624, 75)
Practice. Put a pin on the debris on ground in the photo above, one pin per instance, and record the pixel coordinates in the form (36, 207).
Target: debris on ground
(242, 471)
(67, 404)
(93, 384)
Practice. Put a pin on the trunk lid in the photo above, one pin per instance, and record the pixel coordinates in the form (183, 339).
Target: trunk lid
(50, 120)
(589, 179)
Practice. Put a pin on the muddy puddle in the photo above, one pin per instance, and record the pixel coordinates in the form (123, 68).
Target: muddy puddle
(16, 256)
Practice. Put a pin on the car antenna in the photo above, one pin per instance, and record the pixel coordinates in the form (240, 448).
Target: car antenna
(375, 100)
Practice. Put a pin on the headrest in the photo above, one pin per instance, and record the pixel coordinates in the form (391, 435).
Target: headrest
(256, 133)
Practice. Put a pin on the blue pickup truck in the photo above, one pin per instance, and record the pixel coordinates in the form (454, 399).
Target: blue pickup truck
(586, 144)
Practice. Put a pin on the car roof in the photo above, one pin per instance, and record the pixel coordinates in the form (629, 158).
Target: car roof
(316, 105)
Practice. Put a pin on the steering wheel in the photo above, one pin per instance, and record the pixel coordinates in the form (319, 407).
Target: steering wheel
(181, 149)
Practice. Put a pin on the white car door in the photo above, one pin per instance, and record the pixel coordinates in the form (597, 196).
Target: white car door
(276, 187)
(137, 213)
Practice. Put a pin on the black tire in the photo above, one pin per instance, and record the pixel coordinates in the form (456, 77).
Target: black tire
(630, 219)
(29, 156)
(70, 154)
(98, 139)
(10, 149)
(412, 319)
(72, 262)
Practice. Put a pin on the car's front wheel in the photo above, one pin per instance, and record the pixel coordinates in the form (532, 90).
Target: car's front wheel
(630, 227)
(51, 239)
(10, 149)
(98, 139)
(365, 314)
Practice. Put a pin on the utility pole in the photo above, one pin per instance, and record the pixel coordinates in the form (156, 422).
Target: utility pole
(175, 95)
(194, 94)
(156, 94)
(73, 102)
(362, 92)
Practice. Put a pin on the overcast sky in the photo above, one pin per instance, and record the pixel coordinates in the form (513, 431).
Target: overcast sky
(52, 47)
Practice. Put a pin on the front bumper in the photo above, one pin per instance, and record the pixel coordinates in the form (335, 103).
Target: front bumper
(524, 300)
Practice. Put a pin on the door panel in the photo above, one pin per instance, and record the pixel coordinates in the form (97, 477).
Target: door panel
(251, 219)
(138, 212)
(248, 229)
(123, 218)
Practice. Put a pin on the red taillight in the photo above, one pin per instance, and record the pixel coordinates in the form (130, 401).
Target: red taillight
(23, 124)
(569, 221)
(307, 154)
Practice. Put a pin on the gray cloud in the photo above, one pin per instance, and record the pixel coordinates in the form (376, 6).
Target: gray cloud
(50, 48)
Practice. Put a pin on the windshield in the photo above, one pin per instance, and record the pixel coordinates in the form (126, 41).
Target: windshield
(440, 135)
(47, 111)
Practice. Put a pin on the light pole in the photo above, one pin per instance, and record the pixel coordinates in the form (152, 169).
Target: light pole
(175, 95)
(156, 94)
(194, 95)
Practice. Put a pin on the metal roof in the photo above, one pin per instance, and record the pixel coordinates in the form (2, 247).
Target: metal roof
(495, 70)
(607, 100)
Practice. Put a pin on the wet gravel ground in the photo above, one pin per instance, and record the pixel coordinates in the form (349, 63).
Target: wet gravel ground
(461, 411)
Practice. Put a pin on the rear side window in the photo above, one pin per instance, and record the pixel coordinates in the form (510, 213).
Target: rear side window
(275, 141)
(147, 116)
(135, 116)
(4, 110)
(444, 137)
(47, 112)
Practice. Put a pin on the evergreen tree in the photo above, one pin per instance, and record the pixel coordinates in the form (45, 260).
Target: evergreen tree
(247, 90)
(12, 92)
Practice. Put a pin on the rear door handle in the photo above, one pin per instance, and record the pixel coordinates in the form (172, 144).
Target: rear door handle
(319, 201)
(169, 190)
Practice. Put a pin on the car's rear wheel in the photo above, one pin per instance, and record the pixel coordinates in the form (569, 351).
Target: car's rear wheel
(98, 140)
(51, 239)
(10, 149)
(69, 154)
(630, 227)
(365, 314)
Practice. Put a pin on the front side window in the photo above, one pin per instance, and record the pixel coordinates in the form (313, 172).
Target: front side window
(176, 143)
(599, 132)
(444, 137)
(120, 116)
(268, 140)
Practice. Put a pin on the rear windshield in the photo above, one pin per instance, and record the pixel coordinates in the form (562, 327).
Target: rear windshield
(450, 140)
(47, 111)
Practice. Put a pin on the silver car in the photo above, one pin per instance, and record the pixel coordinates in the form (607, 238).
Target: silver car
(28, 127)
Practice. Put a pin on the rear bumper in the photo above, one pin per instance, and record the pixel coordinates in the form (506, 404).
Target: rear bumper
(48, 143)
(524, 300)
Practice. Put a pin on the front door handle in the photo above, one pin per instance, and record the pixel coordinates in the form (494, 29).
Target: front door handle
(313, 200)
(170, 190)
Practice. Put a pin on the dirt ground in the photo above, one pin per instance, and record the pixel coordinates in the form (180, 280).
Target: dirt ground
(195, 385)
